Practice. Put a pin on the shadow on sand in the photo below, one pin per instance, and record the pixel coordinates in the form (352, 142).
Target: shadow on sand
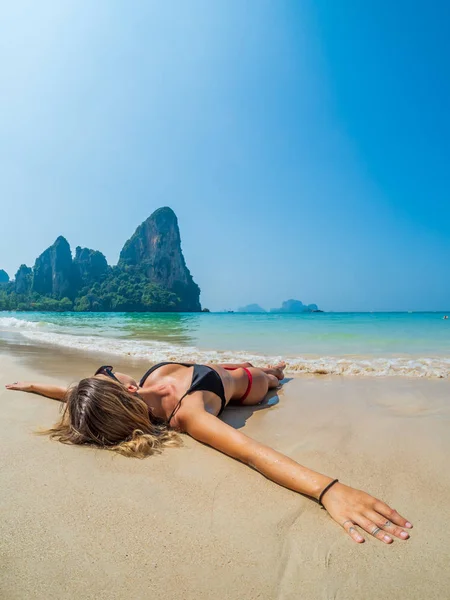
(237, 416)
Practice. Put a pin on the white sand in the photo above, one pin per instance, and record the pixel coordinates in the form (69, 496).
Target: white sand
(194, 524)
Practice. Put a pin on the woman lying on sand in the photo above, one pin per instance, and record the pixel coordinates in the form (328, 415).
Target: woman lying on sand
(111, 410)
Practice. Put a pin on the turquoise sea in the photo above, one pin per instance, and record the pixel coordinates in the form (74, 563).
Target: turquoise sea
(410, 344)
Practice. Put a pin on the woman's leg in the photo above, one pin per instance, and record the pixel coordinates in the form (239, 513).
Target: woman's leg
(261, 383)
(276, 370)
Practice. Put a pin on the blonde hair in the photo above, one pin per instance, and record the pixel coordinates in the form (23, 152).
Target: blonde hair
(104, 414)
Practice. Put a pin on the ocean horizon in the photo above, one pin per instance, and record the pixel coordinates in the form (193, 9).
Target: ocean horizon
(415, 344)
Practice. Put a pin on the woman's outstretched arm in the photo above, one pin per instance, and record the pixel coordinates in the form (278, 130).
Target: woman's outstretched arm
(56, 392)
(346, 505)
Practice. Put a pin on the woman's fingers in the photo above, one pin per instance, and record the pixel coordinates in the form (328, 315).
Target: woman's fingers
(354, 508)
(391, 514)
(388, 526)
(350, 528)
(17, 385)
(369, 526)
(375, 525)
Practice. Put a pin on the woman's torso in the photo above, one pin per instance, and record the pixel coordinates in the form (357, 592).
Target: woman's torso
(173, 380)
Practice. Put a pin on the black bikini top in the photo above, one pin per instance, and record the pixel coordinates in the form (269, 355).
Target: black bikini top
(204, 379)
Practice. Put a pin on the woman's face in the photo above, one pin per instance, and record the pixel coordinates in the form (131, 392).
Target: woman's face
(128, 382)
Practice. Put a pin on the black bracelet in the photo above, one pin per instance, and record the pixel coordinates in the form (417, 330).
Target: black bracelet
(325, 490)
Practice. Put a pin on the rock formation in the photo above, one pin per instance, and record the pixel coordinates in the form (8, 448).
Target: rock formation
(53, 273)
(289, 306)
(4, 277)
(89, 265)
(155, 247)
(252, 308)
(151, 275)
(23, 280)
(295, 306)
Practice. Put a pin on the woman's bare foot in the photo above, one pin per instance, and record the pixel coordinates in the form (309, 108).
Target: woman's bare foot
(276, 370)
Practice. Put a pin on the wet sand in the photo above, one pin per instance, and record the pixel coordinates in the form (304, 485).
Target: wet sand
(194, 524)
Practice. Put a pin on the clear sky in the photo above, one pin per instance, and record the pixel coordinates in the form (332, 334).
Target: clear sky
(304, 145)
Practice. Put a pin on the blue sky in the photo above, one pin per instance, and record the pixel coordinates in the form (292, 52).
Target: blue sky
(305, 146)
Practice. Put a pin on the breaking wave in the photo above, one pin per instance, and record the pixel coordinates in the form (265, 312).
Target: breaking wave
(13, 323)
(39, 332)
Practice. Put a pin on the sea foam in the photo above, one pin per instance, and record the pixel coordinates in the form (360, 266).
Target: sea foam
(13, 323)
(38, 332)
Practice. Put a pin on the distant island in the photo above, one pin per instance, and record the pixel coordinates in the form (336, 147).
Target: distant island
(289, 306)
(151, 275)
(251, 308)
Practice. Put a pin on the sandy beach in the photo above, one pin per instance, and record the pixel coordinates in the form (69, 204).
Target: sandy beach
(194, 524)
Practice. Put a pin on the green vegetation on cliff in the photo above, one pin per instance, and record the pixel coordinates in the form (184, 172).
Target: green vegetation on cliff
(152, 277)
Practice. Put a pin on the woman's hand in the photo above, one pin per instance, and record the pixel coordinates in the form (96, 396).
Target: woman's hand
(56, 392)
(347, 506)
(350, 507)
(21, 386)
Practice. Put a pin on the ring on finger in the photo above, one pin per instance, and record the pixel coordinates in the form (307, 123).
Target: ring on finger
(347, 521)
(376, 530)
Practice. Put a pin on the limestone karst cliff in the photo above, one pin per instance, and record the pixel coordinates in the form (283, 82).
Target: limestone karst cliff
(155, 247)
(151, 275)
(89, 266)
(295, 306)
(53, 273)
(288, 306)
(23, 280)
(251, 308)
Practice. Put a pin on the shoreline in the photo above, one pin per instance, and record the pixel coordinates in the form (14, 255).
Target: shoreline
(129, 351)
(194, 524)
